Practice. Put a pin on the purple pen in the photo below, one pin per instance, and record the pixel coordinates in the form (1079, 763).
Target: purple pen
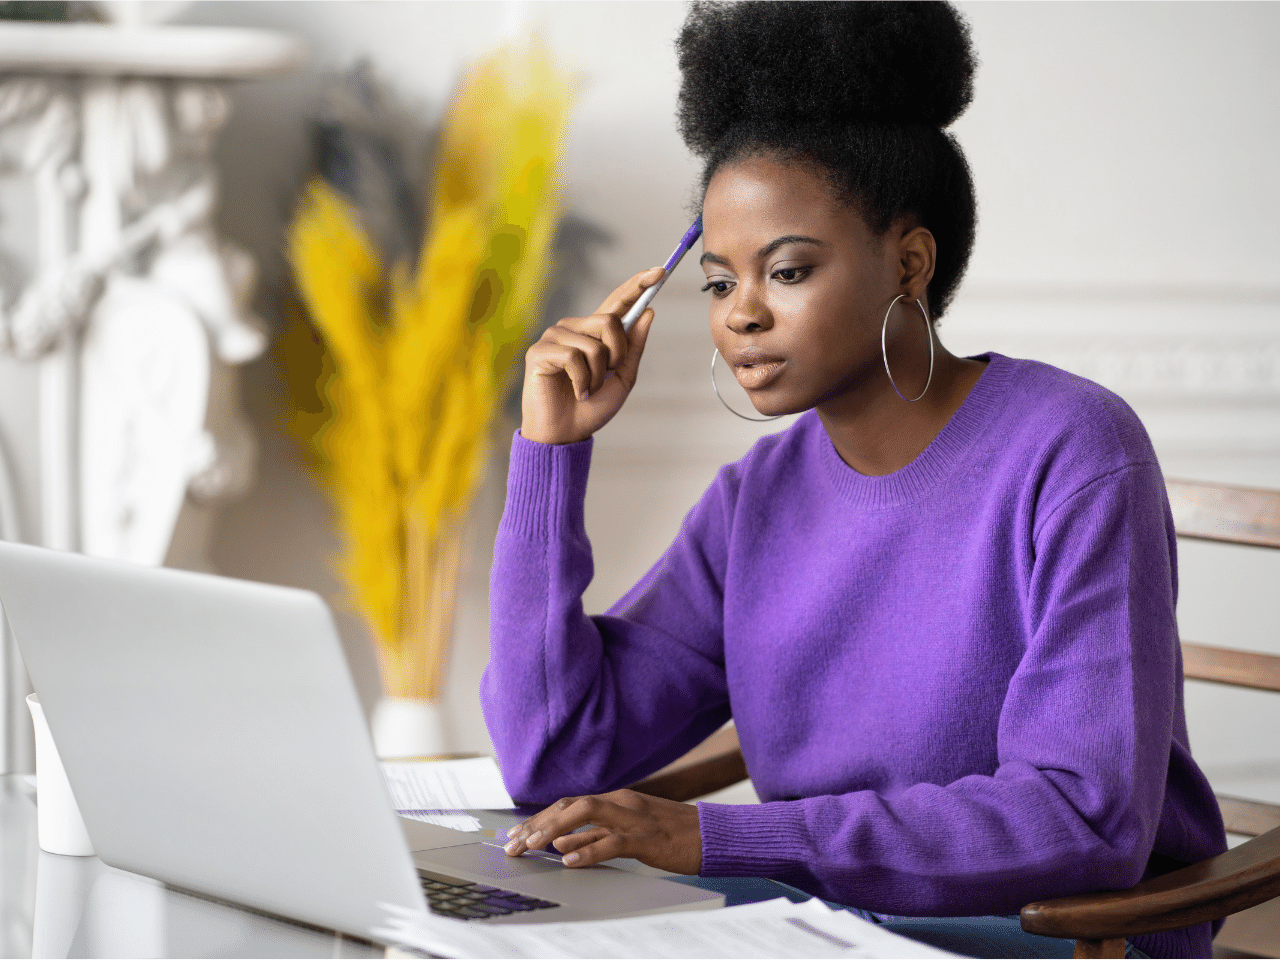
(688, 240)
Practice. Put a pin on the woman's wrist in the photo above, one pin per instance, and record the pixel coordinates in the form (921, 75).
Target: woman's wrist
(550, 441)
(549, 438)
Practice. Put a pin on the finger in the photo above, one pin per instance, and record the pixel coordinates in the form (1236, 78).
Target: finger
(542, 816)
(518, 837)
(607, 329)
(553, 359)
(606, 848)
(593, 350)
(629, 369)
(629, 292)
(553, 353)
(576, 841)
(566, 816)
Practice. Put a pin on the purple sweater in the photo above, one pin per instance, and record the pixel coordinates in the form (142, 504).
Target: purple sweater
(958, 688)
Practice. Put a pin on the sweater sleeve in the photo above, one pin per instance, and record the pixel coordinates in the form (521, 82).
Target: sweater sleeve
(563, 720)
(1083, 745)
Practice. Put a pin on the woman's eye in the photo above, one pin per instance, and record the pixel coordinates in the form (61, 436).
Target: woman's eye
(791, 274)
(718, 288)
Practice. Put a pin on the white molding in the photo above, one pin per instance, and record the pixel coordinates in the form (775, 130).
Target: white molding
(1092, 291)
(1199, 363)
(149, 51)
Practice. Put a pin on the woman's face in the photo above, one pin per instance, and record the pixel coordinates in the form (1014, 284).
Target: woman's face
(799, 287)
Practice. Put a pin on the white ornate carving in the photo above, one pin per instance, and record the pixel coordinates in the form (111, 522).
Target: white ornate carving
(148, 213)
(135, 158)
(44, 320)
(144, 391)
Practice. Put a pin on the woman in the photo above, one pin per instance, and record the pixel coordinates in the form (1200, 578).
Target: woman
(939, 607)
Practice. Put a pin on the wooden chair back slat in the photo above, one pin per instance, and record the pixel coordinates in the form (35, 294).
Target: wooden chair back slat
(1261, 671)
(1239, 515)
(1206, 511)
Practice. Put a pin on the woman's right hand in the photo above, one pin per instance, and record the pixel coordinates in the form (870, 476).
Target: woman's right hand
(579, 373)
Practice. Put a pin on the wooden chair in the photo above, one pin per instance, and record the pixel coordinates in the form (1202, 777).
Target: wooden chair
(1243, 877)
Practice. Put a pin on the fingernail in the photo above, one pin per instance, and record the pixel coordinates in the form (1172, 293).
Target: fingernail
(512, 846)
(571, 858)
(533, 840)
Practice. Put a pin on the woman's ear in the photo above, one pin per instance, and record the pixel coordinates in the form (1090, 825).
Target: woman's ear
(917, 254)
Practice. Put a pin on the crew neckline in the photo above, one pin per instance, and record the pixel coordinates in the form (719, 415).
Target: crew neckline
(935, 461)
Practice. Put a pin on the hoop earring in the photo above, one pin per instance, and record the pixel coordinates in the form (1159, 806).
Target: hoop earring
(714, 355)
(885, 353)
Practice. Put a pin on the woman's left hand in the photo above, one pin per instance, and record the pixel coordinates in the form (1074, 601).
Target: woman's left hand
(661, 833)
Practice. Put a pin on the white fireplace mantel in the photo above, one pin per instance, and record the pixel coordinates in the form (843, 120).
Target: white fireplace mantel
(95, 49)
(136, 310)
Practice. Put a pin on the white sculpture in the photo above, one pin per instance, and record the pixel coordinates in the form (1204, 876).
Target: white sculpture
(134, 291)
(148, 273)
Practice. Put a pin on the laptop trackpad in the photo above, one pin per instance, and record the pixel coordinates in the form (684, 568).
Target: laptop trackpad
(491, 862)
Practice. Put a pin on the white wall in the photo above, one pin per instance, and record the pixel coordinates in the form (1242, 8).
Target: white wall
(1123, 155)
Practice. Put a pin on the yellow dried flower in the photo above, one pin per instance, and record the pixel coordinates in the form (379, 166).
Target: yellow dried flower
(413, 368)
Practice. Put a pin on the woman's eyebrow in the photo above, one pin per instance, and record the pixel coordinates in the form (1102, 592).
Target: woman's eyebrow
(767, 249)
(773, 245)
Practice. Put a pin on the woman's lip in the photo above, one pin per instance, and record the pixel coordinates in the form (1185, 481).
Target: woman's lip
(756, 374)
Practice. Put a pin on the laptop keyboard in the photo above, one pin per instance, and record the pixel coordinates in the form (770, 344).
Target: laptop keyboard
(451, 897)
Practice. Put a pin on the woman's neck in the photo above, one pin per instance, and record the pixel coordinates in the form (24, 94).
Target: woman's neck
(876, 432)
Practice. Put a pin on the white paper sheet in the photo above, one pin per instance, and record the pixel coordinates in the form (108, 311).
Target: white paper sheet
(440, 785)
(452, 819)
(777, 928)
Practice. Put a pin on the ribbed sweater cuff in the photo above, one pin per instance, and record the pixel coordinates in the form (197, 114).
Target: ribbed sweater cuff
(748, 840)
(546, 487)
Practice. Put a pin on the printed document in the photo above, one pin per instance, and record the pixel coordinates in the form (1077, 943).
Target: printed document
(776, 928)
(440, 785)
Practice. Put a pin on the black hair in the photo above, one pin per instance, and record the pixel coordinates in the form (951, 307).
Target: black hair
(860, 90)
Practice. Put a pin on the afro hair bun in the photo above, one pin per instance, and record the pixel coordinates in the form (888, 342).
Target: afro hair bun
(820, 62)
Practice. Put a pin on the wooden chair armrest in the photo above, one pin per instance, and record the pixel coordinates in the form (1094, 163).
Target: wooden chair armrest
(714, 764)
(1243, 877)
(697, 779)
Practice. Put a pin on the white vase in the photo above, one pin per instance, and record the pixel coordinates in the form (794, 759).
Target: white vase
(408, 727)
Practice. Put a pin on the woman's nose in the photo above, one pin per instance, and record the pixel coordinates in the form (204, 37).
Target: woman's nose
(749, 314)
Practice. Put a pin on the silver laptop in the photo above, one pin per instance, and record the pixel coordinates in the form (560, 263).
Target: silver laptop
(213, 738)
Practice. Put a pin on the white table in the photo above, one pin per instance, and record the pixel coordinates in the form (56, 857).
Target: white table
(80, 907)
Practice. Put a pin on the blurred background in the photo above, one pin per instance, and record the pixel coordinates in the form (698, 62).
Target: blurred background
(1124, 159)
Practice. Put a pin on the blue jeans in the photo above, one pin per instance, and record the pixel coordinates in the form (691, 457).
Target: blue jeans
(968, 936)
